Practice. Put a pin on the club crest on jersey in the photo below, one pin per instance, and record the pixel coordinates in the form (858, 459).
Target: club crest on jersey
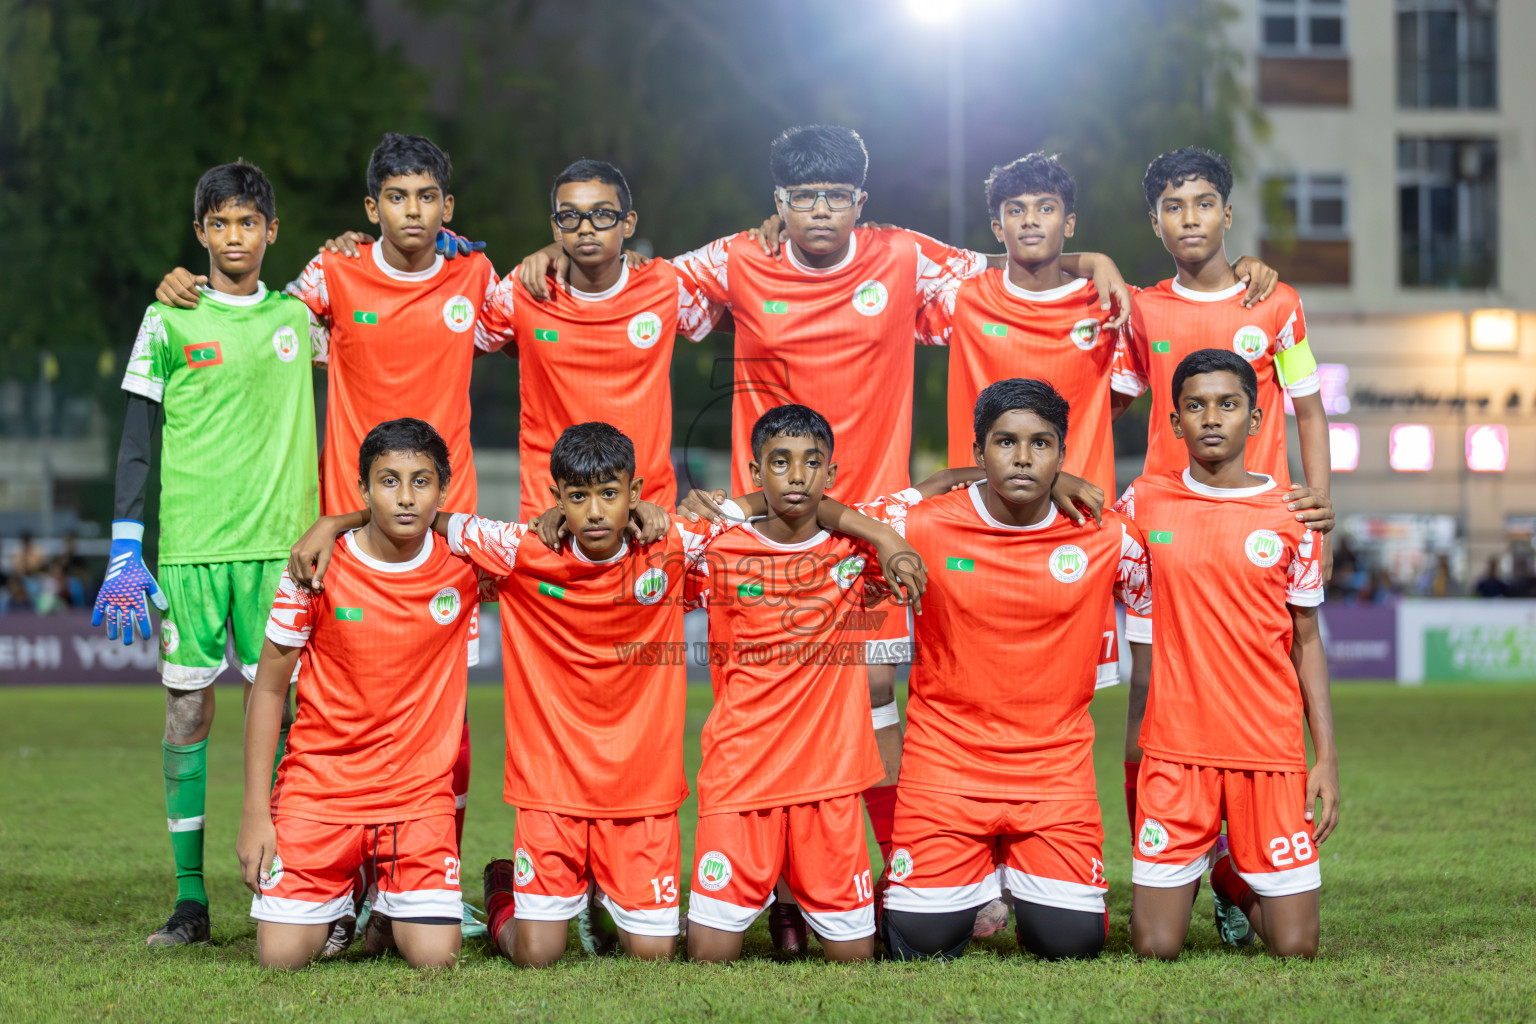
(1263, 548)
(170, 638)
(1250, 342)
(522, 867)
(1068, 563)
(846, 571)
(270, 880)
(1153, 838)
(650, 587)
(1085, 333)
(459, 314)
(901, 865)
(286, 341)
(870, 297)
(445, 605)
(714, 871)
(644, 330)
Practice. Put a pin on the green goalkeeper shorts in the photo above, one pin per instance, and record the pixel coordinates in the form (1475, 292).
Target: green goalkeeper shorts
(206, 602)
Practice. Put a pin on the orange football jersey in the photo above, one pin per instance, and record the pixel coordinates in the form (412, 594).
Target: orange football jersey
(605, 356)
(839, 340)
(381, 690)
(594, 666)
(1169, 321)
(996, 330)
(788, 626)
(1011, 633)
(1225, 563)
(401, 345)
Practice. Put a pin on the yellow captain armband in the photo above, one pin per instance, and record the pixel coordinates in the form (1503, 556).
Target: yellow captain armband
(1296, 362)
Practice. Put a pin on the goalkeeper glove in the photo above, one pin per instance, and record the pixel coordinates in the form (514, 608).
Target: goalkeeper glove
(451, 245)
(121, 599)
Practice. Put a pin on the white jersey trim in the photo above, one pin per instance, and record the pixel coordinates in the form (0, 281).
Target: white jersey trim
(533, 906)
(1285, 883)
(606, 293)
(582, 556)
(280, 910)
(1194, 296)
(416, 560)
(402, 906)
(790, 258)
(941, 899)
(1049, 295)
(227, 299)
(1167, 876)
(727, 917)
(661, 922)
(405, 275)
(1228, 492)
(1054, 892)
(842, 925)
(804, 545)
(980, 505)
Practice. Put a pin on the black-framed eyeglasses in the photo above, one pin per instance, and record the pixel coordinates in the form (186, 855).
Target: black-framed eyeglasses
(806, 198)
(602, 218)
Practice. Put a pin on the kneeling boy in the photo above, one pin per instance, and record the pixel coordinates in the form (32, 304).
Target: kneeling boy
(367, 778)
(1238, 662)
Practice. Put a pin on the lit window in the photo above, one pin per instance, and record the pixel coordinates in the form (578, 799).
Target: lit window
(1487, 448)
(1411, 448)
(1344, 447)
(1495, 330)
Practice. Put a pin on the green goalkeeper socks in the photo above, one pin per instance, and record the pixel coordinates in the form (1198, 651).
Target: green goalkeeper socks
(186, 786)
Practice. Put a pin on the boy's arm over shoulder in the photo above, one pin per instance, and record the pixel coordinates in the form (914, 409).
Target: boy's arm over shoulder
(148, 368)
(1128, 368)
(697, 311)
(494, 328)
(489, 544)
(1133, 578)
(939, 263)
(1126, 506)
(1293, 349)
(697, 534)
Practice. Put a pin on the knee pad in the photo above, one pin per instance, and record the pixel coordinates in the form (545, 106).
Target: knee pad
(909, 935)
(1057, 934)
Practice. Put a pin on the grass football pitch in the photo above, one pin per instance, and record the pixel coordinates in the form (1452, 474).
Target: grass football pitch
(1429, 899)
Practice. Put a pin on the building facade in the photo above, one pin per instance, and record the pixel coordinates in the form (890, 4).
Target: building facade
(1395, 188)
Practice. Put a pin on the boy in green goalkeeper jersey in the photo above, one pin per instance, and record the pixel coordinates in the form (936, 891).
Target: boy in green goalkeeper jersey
(228, 385)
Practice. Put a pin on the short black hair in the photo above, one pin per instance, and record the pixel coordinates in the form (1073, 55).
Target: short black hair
(397, 155)
(1034, 175)
(790, 421)
(818, 153)
(590, 453)
(1216, 360)
(1188, 164)
(239, 182)
(405, 435)
(593, 170)
(1034, 396)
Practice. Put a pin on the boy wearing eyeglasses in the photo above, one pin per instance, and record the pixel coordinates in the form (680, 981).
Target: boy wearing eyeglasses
(600, 347)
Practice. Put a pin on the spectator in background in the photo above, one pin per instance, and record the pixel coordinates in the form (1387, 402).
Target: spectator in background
(1491, 585)
(1437, 580)
(1522, 583)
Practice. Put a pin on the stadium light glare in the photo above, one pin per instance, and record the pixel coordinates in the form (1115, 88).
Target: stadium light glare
(1495, 330)
(934, 12)
(1344, 447)
(1487, 448)
(1411, 448)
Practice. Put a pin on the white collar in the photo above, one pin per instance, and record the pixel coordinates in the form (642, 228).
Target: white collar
(1228, 492)
(1194, 296)
(606, 293)
(789, 257)
(234, 300)
(582, 556)
(804, 545)
(1049, 295)
(405, 275)
(980, 505)
(415, 561)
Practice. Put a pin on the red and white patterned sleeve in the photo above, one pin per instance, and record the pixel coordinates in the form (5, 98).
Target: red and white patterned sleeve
(1127, 370)
(938, 264)
(291, 621)
(310, 288)
(891, 509)
(1133, 584)
(490, 545)
(493, 327)
(703, 272)
(697, 312)
(936, 317)
(697, 535)
(1304, 578)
